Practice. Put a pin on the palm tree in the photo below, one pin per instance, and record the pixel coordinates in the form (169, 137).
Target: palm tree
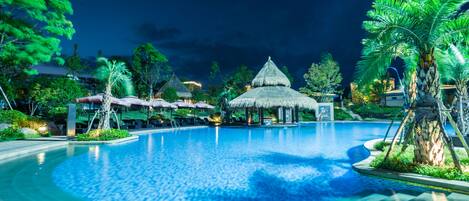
(113, 74)
(412, 30)
(456, 70)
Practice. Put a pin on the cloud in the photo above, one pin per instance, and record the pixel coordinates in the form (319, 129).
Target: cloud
(149, 32)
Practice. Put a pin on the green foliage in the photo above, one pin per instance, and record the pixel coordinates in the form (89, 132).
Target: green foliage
(114, 74)
(371, 110)
(30, 32)
(214, 71)
(73, 63)
(403, 162)
(103, 135)
(199, 95)
(322, 78)
(408, 29)
(12, 117)
(381, 145)
(339, 114)
(51, 95)
(11, 134)
(170, 94)
(149, 66)
(287, 73)
(183, 112)
(307, 116)
(237, 82)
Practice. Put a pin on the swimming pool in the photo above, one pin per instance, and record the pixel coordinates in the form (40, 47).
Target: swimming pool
(309, 162)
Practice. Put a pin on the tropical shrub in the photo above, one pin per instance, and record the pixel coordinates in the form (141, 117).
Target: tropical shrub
(372, 110)
(11, 133)
(339, 114)
(381, 145)
(103, 135)
(170, 95)
(12, 117)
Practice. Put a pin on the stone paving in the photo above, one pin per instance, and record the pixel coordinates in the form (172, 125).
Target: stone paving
(17, 148)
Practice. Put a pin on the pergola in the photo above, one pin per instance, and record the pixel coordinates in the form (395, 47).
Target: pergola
(271, 89)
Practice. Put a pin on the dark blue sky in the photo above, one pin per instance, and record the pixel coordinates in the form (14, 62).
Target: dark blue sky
(194, 33)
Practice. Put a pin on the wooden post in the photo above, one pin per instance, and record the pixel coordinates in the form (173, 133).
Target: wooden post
(284, 113)
(297, 116)
(398, 132)
(261, 116)
(246, 115)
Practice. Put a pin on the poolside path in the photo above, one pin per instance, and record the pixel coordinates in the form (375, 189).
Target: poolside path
(14, 149)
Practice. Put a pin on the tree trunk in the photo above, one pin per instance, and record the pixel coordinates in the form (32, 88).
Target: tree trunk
(104, 121)
(461, 96)
(150, 92)
(429, 145)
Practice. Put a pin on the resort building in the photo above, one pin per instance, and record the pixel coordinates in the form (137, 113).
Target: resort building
(181, 90)
(271, 90)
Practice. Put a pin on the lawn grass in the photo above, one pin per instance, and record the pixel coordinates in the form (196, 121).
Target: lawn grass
(403, 162)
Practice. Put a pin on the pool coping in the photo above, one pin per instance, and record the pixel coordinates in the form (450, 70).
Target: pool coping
(364, 167)
(162, 130)
(34, 149)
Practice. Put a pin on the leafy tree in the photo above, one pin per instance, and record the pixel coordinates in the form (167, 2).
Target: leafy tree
(287, 73)
(199, 95)
(150, 66)
(170, 95)
(52, 94)
(379, 88)
(413, 30)
(113, 73)
(322, 79)
(215, 72)
(73, 63)
(30, 32)
(240, 78)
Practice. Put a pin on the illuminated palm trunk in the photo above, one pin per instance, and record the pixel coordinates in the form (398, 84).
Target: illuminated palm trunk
(429, 145)
(461, 92)
(104, 121)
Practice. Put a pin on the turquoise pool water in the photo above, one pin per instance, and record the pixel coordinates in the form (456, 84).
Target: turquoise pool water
(310, 162)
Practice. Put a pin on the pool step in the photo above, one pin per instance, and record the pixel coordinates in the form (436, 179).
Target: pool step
(458, 197)
(399, 197)
(374, 197)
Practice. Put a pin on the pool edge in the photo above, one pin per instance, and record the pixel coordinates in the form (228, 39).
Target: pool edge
(364, 167)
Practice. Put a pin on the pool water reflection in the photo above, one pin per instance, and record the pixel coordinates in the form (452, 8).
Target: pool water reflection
(310, 162)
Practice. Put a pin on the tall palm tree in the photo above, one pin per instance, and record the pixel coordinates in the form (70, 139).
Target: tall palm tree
(413, 29)
(113, 74)
(456, 70)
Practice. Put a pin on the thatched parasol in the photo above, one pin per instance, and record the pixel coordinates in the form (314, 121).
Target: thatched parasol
(160, 103)
(182, 104)
(203, 105)
(270, 75)
(98, 98)
(133, 100)
(273, 96)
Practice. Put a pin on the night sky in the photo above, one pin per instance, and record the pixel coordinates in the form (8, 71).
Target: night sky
(195, 33)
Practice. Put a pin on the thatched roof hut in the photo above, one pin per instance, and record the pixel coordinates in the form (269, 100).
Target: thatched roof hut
(175, 83)
(272, 89)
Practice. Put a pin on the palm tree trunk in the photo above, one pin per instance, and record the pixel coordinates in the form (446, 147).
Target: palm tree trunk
(429, 145)
(461, 91)
(104, 121)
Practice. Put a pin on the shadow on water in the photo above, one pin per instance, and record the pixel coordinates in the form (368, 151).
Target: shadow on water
(333, 178)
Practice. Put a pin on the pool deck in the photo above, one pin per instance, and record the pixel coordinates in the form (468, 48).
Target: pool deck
(365, 168)
(19, 148)
(11, 150)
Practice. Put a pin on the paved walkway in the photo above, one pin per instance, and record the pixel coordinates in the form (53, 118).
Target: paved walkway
(14, 149)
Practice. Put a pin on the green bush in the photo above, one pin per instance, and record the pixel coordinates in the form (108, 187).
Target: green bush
(12, 117)
(183, 112)
(380, 145)
(403, 162)
(339, 114)
(307, 116)
(11, 134)
(103, 135)
(376, 111)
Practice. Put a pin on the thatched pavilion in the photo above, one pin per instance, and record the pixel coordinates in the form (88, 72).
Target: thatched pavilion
(271, 89)
(175, 83)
